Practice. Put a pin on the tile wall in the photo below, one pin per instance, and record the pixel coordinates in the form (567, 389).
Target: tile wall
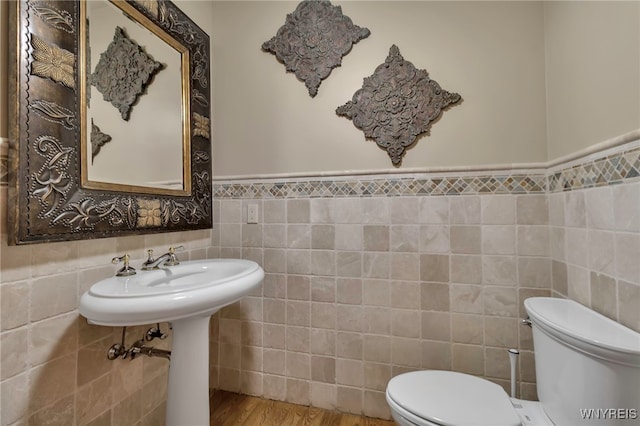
(595, 234)
(358, 290)
(366, 277)
(54, 368)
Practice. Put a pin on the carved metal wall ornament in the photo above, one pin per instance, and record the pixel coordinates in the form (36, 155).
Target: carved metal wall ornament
(199, 98)
(192, 36)
(149, 213)
(200, 157)
(51, 61)
(59, 19)
(123, 72)
(150, 5)
(396, 104)
(313, 41)
(200, 126)
(54, 113)
(98, 139)
(175, 24)
(89, 212)
(51, 183)
(49, 201)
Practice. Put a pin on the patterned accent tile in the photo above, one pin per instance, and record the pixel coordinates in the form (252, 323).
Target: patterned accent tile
(385, 187)
(609, 170)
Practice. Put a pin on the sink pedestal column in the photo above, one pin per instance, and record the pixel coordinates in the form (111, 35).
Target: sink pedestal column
(188, 393)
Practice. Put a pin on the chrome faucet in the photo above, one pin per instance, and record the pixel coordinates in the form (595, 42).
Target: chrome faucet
(168, 258)
(126, 270)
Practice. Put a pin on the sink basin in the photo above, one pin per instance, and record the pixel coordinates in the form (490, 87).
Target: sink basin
(199, 287)
(185, 295)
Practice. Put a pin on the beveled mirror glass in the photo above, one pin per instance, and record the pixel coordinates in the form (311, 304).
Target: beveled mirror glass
(109, 120)
(122, 127)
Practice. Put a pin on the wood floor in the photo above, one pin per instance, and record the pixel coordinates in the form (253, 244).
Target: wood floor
(232, 409)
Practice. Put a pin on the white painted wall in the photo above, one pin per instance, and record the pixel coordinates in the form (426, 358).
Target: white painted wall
(492, 53)
(592, 72)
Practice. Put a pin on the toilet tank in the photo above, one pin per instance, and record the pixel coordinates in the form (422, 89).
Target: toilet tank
(587, 365)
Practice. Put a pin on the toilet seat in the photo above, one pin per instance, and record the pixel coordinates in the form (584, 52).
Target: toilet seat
(448, 398)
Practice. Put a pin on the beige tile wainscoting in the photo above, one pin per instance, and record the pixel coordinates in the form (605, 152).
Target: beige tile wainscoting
(366, 277)
(371, 276)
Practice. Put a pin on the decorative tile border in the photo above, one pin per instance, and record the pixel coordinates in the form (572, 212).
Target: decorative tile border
(610, 170)
(588, 172)
(384, 186)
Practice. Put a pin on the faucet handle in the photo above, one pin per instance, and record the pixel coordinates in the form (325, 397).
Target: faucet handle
(173, 260)
(126, 270)
(146, 265)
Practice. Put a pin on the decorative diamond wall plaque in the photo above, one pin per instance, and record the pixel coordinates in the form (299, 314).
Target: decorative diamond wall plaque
(98, 139)
(396, 104)
(123, 72)
(313, 41)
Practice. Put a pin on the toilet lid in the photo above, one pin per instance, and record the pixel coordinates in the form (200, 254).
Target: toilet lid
(453, 399)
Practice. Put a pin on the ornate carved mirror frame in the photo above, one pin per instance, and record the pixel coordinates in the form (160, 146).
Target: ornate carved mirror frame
(47, 200)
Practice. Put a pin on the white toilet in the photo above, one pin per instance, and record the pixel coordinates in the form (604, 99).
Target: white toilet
(587, 373)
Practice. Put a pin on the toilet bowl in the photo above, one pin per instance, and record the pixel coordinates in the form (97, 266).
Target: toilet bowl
(587, 373)
(447, 398)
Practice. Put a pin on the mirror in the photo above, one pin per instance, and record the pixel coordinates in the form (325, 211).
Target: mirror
(109, 120)
(133, 106)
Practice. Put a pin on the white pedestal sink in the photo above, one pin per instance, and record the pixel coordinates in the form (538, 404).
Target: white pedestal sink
(185, 295)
